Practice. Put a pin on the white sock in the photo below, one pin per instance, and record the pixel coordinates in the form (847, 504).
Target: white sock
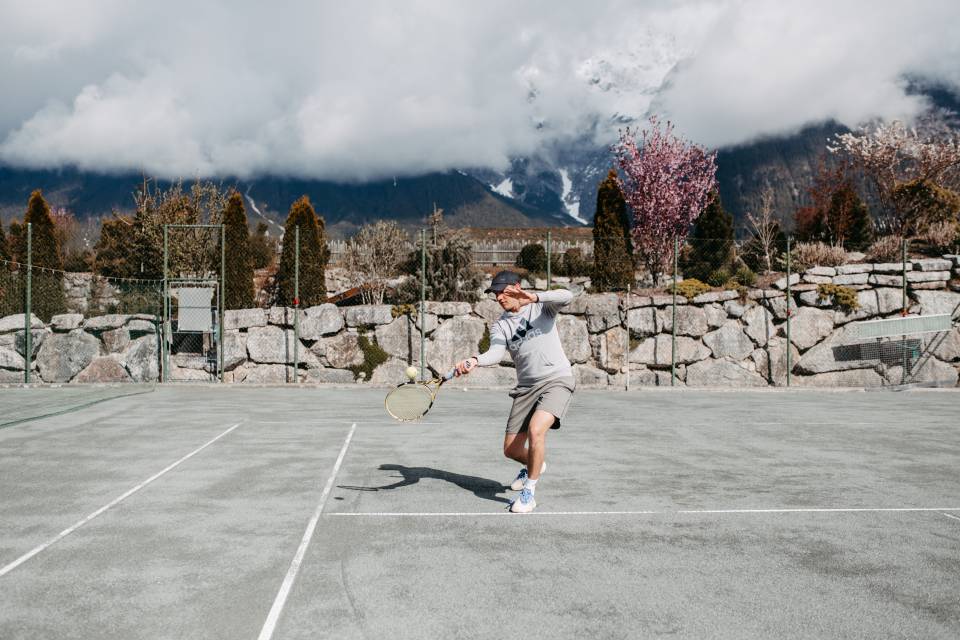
(531, 484)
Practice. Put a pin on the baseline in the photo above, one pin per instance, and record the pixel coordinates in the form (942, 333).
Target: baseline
(438, 514)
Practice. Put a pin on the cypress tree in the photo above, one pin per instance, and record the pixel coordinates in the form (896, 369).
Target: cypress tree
(313, 256)
(238, 279)
(18, 242)
(711, 248)
(114, 254)
(4, 248)
(48, 298)
(11, 299)
(612, 253)
(262, 248)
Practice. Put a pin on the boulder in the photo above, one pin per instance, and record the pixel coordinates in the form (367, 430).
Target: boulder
(8, 376)
(836, 353)
(634, 301)
(716, 316)
(812, 279)
(612, 350)
(336, 376)
(366, 315)
(321, 320)
(455, 340)
(489, 310)
(16, 323)
(116, 340)
(339, 352)
(449, 309)
(869, 307)
(103, 323)
(391, 372)
(932, 264)
(892, 267)
(828, 272)
(603, 312)
(889, 300)
(641, 376)
(400, 339)
(927, 369)
(782, 282)
(928, 276)
(812, 299)
(881, 280)
(779, 307)
(141, 359)
(759, 324)
(587, 376)
(10, 359)
(103, 369)
(945, 345)
(244, 318)
(729, 341)
(270, 345)
(851, 378)
(235, 349)
(574, 338)
(657, 351)
(809, 326)
(66, 322)
(722, 373)
(771, 361)
(138, 327)
(18, 341)
(734, 308)
(269, 374)
(64, 355)
(850, 269)
(642, 321)
(691, 321)
(938, 302)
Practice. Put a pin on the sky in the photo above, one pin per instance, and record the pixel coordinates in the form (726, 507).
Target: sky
(367, 90)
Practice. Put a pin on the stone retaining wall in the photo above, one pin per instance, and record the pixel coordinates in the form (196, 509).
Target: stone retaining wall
(724, 338)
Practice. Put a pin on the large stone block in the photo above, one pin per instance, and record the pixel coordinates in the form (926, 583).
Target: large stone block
(321, 320)
(656, 351)
(337, 376)
(10, 359)
(716, 316)
(758, 321)
(103, 369)
(66, 322)
(892, 267)
(401, 338)
(455, 340)
(837, 353)
(244, 318)
(809, 326)
(391, 372)
(734, 308)
(928, 276)
(848, 269)
(722, 373)
(64, 355)
(771, 361)
(574, 338)
(339, 352)
(642, 321)
(489, 310)
(270, 345)
(116, 340)
(366, 315)
(234, 349)
(851, 278)
(142, 358)
(603, 312)
(449, 309)
(613, 347)
(103, 323)
(16, 322)
(729, 341)
(779, 307)
(932, 264)
(269, 374)
(938, 302)
(827, 272)
(852, 378)
(782, 282)
(587, 376)
(945, 345)
(927, 369)
(691, 321)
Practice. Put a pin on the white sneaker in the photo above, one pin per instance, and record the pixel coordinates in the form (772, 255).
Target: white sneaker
(517, 483)
(524, 502)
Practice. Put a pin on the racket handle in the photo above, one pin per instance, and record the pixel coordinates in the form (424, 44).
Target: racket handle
(449, 375)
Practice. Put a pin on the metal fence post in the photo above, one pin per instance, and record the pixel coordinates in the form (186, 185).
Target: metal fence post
(296, 303)
(423, 296)
(549, 253)
(223, 296)
(28, 312)
(673, 321)
(789, 364)
(626, 322)
(166, 313)
(904, 308)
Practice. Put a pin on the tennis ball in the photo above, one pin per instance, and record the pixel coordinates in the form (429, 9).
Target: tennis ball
(411, 372)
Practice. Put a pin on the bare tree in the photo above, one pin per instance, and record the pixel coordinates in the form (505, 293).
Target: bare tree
(765, 228)
(373, 256)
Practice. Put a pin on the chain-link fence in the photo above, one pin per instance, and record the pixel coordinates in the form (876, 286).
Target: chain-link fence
(696, 312)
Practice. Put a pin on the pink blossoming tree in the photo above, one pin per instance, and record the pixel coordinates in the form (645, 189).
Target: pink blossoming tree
(667, 182)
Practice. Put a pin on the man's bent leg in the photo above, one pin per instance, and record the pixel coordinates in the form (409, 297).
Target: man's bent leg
(540, 423)
(515, 447)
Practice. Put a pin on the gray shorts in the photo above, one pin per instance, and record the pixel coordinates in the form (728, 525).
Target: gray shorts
(553, 395)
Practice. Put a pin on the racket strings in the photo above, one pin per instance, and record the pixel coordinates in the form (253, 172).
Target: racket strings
(408, 402)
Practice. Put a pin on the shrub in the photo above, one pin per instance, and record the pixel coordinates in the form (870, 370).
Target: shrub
(689, 288)
(886, 249)
(533, 258)
(373, 357)
(573, 264)
(843, 297)
(804, 255)
(744, 276)
(942, 237)
(718, 277)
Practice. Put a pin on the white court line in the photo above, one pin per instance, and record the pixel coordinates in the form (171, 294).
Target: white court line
(271, 622)
(949, 516)
(63, 534)
(437, 514)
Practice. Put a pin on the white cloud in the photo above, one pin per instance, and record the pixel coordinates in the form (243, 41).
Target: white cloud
(364, 90)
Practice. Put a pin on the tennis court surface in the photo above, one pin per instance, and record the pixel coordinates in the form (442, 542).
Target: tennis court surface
(228, 512)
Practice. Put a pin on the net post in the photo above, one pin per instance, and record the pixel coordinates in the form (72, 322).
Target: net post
(423, 295)
(673, 321)
(28, 311)
(296, 303)
(223, 297)
(165, 364)
(789, 364)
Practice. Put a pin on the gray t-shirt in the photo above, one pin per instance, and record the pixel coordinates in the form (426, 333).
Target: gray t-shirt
(531, 336)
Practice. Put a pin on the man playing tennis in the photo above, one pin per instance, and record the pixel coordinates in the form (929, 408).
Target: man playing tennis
(545, 381)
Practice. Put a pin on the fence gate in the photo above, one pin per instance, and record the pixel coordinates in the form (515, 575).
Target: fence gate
(193, 268)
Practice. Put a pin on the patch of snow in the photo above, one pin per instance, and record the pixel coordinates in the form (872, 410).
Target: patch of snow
(505, 188)
(571, 204)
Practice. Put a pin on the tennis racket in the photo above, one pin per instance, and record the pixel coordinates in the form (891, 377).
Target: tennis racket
(411, 400)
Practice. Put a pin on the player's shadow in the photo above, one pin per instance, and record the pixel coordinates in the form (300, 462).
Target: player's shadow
(481, 487)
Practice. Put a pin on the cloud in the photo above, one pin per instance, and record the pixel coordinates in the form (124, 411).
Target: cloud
(354, 91)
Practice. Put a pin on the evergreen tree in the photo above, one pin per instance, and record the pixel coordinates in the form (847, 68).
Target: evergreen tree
(612, 252)
(238, 279)
(450, 275)
(11, 297)
(4, 249)
(314, 255)
(48, 298)
(262, 247)
(18, 241)
(711, 250)
(114, 254)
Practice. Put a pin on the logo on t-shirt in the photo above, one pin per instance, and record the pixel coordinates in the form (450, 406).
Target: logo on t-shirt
(524, 332)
